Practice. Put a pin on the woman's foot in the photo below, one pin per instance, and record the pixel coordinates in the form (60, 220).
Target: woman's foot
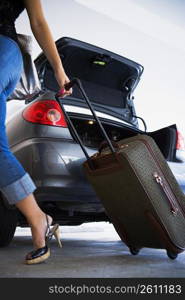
(40, 230)
(37, 256)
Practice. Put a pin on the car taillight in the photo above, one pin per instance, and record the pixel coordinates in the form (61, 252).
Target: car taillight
(46, 112)
(180, 145)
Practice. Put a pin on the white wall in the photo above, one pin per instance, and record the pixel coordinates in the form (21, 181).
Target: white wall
(152, 32)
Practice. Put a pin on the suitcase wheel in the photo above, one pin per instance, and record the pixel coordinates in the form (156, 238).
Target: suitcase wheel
(172, 255)
(134, 250)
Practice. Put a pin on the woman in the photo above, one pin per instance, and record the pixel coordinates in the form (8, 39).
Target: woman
(16, 184)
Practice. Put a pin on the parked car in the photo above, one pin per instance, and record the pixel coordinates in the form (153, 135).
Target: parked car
(42, 141)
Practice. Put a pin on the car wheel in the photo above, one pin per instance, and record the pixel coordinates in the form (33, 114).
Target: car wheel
(8, 222)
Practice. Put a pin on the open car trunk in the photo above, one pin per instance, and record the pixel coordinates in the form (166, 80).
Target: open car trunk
(91, 136)
(108, 79)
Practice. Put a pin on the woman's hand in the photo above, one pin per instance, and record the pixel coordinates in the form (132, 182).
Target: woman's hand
(62, 79)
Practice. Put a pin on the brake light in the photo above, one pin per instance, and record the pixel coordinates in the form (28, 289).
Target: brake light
(46, 112)
(180, 145)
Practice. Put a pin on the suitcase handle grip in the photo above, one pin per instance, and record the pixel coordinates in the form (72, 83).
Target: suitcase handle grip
(58, 96)
(71, 83)
(67, 87)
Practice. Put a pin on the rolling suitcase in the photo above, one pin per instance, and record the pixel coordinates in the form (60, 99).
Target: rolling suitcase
(138, 191)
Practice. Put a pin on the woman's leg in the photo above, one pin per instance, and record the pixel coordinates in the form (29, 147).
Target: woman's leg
(36, 219)
(15, 183)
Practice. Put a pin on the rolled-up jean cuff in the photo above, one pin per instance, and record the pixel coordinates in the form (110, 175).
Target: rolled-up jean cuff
(19, 189)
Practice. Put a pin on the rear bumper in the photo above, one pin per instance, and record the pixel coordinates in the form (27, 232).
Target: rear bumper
(55, 166)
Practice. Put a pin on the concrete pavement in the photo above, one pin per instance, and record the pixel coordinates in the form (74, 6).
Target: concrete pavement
(89, 251)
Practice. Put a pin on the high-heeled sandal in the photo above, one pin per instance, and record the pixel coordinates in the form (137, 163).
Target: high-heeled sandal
(41, 254)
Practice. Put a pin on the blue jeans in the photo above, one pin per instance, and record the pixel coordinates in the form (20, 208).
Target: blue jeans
(15, 183)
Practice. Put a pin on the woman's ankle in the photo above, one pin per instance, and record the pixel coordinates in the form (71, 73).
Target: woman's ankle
(42, 221)
(39, 229)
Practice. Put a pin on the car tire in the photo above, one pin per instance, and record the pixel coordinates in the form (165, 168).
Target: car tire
(8, 223)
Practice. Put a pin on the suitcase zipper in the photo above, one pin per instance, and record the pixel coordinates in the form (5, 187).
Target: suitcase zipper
(159, 180)
(166, 188)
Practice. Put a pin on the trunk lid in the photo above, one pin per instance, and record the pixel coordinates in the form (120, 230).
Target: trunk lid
(109, 79)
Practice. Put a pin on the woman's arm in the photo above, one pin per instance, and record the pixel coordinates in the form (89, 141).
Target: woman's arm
(44, 38)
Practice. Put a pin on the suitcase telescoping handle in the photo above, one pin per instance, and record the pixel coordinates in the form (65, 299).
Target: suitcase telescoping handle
(58, 97)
